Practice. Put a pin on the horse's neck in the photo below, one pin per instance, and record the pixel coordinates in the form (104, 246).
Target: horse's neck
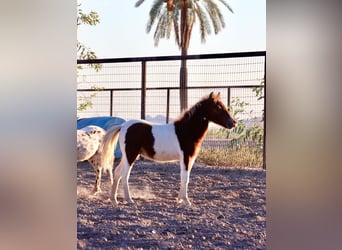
(196, 125)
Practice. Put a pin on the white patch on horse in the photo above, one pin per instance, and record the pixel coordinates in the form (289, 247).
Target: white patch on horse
(166, 144)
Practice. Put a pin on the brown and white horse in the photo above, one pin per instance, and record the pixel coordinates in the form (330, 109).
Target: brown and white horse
(178, 141)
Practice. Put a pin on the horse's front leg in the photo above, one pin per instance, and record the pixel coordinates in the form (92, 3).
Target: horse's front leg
(184, 176)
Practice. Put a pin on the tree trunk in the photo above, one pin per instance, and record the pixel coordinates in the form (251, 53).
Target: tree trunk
(183, 74)
(183, 84)
(170, 5)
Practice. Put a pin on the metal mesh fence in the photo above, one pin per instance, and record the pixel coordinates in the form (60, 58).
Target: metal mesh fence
(117, 88)
(123, 80)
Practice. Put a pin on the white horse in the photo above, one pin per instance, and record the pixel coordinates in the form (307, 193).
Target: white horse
(89, 148)
(178, 141)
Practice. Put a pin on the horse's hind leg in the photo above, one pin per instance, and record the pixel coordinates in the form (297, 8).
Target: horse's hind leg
(126, 171)
(110, 175)
(97, 186)
(95, 163)
(121, 171)
(116, 181)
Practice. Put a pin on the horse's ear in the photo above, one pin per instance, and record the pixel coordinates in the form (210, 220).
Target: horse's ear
(218, 95)
(211, 95)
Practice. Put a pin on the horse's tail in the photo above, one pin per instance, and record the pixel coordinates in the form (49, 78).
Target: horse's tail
(108, 145)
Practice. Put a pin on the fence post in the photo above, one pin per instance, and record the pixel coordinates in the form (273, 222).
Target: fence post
(228, 96)
(167, 105)
(264, 146)
(111, 103)
(143, 89)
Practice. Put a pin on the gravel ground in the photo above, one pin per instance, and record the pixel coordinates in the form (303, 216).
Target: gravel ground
(228, 209)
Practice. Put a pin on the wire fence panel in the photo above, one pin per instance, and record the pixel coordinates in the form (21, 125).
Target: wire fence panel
(134, 88)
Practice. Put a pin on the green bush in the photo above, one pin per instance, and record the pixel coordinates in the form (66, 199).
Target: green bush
(244, 147)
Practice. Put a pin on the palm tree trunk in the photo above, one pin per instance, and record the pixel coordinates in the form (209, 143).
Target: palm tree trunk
(170, 5)
(183, 84)
(183, 79)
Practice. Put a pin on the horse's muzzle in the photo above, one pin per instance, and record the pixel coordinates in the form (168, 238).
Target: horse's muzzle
(232, 124)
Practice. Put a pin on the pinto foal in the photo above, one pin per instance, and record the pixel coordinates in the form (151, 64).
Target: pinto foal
(178, 141)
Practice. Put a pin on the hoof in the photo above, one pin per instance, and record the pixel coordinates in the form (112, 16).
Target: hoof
(184, 201)
(96, 191)
(187, 203)
(115, 203)
(130, 202)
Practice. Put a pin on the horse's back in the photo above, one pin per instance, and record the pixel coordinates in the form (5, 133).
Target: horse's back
(161, 138)
(92, 129)
(104, 122)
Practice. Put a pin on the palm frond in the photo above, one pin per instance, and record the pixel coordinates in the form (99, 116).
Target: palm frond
(137, 4)
(205, 28)
(161, 28)
(176, 30)
(154, 13)
(169, 24)
(215, 15)
(165, 19)
(227, 5)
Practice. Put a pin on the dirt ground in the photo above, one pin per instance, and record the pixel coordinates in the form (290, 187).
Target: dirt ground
(228, 209)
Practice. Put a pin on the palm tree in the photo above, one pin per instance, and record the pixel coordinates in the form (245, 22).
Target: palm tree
(180, 16)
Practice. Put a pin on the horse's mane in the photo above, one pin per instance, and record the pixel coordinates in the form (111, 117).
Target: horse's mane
(189, 113)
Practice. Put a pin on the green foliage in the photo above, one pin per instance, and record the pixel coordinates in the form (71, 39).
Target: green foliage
(84, 52)
(85, 102)
(242, 134)
(245, 145)
(259, 92)
(92, 18)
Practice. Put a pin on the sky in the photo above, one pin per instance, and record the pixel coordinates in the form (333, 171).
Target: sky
(122, 30)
